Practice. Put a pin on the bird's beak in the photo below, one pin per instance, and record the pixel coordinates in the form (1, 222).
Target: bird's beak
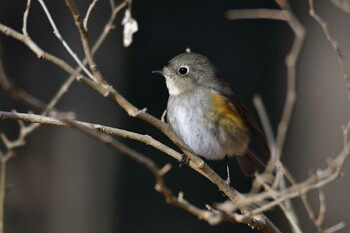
(160, 72)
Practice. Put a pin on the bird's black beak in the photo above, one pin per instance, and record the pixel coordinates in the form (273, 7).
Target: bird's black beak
(160, 72)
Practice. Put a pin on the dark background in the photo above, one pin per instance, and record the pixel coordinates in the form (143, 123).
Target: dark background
(62, 181)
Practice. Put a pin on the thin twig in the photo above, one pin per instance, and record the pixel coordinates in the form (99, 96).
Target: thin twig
(291, 62)
(269, 14)
(259, 106)
(86, 18)
(322, 211)
(25, 18)
(288, 212)
(316, 181)
(332, 42)
(3, 174)
(342, 5)
(335, 228)
(38, 51)
(64, 88)
(112, 4)
(346, 129)
(319, 220)
(4, 159)
(57, 33)
(280, 181)
(85, 41)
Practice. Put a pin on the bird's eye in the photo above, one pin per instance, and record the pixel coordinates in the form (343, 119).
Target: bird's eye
(183, 70)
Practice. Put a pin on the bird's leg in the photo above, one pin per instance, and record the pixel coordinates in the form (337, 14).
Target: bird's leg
(163, 117)
(184, 161)
(228, 179)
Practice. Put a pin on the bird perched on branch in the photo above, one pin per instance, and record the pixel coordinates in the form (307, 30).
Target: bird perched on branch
(207, 115)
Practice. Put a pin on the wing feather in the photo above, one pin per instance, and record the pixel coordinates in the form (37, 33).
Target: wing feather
(253, 127)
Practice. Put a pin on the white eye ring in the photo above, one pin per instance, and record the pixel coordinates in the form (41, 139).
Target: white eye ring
(183, 70)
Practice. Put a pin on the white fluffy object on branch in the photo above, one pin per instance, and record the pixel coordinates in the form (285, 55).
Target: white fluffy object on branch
(130, 27)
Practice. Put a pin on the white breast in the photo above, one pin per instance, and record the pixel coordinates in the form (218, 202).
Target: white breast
(187, 117)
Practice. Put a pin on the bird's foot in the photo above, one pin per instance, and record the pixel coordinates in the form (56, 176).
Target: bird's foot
(228, 180)
(184, 161)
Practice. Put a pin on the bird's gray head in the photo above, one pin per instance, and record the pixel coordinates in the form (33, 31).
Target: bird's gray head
(186, 71)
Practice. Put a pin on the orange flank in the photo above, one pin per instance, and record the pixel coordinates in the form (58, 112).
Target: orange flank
(225, 114)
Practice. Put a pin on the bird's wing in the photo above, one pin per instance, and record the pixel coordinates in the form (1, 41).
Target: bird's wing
(252, 125)
(246, 116)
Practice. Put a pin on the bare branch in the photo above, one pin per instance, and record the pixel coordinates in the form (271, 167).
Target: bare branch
(86, 18)
(285, 14)
(20, 95)
(25, 18)
(213, 217)
(291, 61)
(259, 219)
(111, 2)
(3, 182)
(38, 51)
(59, 36)
(342, 5)
(64, 88)
(316, 181)
(322, 211)
(23, 133)
(109, 25)
(346, 129)
(85, 41)
(146, 139)
(335, 228)
(332, 42)
(257, 14)
(259, 105)
(273, 193)
(280, 182)
(317, 221)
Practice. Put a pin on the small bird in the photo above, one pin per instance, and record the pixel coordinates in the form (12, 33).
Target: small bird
(207, 115)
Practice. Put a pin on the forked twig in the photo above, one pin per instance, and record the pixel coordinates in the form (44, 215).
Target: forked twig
(333, 43)
(57, 33)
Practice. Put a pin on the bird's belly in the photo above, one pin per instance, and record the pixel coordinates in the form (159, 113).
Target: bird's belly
(203, 136)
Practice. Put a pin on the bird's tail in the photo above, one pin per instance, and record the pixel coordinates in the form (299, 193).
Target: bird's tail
(249, 164)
